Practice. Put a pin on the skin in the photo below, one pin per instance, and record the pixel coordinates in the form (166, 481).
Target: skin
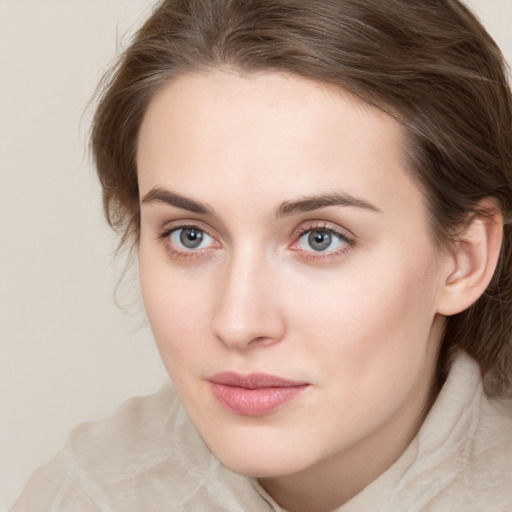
(358, 321)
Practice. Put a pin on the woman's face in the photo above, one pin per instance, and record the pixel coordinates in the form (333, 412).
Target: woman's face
(287, 271)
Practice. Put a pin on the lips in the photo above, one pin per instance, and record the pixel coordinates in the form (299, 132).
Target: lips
(255, 394)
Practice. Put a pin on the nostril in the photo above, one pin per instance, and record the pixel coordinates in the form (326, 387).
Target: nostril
(261, 340)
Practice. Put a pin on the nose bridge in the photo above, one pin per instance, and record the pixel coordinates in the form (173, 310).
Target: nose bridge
(247, 309)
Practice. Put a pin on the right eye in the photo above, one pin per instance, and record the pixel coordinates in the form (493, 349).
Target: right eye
(191, 238)
(322, 240)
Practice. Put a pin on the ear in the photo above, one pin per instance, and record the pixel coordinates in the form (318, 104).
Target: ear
(473, 259)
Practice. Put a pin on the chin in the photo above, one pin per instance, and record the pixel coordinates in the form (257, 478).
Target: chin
(259, 459)
(261, 468)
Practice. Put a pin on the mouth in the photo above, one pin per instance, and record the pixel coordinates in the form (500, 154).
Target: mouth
(255, 394)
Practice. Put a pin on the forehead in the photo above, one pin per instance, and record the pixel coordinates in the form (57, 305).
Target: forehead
(270, 135)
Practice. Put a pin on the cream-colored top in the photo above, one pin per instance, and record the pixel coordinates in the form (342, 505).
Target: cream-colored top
(148, 458)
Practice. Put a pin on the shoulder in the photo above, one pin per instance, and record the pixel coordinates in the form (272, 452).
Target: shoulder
(147, 456)
(478, 473)
(460, 459)
(486, 462)
(467, 445)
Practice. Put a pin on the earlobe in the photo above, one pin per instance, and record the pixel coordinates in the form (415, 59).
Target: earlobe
(473, 259)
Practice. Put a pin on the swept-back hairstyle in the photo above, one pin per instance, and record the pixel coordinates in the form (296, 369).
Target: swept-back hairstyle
(428, 63)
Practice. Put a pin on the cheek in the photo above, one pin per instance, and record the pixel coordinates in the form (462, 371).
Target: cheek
(370, 320)
(175, 307)
(369, 341)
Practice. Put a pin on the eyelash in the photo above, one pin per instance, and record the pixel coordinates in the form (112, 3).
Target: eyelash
(165, 235)
(342, 235)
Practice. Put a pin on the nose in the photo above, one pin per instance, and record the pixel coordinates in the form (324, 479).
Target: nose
(247, 311)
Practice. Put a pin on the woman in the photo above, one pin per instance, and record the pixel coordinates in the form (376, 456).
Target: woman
(320, 197)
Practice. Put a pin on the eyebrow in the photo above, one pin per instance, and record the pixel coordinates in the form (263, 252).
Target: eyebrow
(160, 195)
(285, 209)
(311, 203)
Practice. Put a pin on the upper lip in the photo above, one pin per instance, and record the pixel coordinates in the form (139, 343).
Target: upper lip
(254, 380)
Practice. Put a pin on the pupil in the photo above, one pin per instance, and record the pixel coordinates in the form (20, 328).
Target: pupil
(191, 238)
(319, 240)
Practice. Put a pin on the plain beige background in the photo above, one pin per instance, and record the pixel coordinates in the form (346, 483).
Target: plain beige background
(68, 354)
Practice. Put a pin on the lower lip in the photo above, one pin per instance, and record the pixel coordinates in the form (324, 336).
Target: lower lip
(254, 402)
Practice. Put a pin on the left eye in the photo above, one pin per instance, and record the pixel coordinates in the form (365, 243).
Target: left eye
(321, 240)
(190, 239)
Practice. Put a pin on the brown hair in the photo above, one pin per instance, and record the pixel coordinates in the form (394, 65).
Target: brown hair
(429, 63)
